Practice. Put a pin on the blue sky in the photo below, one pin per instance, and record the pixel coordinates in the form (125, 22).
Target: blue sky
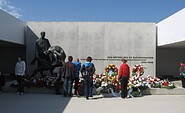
(92, 10)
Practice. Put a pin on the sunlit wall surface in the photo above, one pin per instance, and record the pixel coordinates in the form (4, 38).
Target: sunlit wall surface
(106, 42)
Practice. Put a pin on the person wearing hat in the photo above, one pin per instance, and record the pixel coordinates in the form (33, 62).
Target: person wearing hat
(123, 77)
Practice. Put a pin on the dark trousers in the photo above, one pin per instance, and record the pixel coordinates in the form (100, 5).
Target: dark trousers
(91, 86)
(124, 82)
(183, 81)
(87, 87)
(68, 86)
(76, 80)
(57, 86)
(20, 83)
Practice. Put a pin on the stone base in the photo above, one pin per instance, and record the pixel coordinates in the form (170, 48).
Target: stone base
(44, 90)
(163, 91)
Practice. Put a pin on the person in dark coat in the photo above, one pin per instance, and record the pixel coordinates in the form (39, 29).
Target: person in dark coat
(68, 75)
(87, 71)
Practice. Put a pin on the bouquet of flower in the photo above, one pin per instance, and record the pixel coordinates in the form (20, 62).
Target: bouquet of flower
(111, 70)
(107, 81)
(47, 81)
(138, 70)
(155, 82)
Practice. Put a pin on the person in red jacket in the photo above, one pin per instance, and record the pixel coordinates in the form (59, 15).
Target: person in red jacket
(123, 76)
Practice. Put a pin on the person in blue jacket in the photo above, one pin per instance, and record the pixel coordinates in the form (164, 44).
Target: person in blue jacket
(88, 70)
(77, 72)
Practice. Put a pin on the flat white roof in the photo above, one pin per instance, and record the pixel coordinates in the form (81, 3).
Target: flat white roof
(171, 31)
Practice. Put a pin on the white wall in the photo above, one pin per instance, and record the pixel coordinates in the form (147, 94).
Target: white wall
(106, 42)
(172, 29)
(11, 28)
(12, 41)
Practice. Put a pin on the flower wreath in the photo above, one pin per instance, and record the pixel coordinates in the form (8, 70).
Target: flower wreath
(138, 70)
(111, 70)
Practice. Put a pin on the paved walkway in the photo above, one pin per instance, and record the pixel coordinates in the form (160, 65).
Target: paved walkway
(50, 103)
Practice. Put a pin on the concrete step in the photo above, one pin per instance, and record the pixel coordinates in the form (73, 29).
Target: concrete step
(164, 91)
(153, 91)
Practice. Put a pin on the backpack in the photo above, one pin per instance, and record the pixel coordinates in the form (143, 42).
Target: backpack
(86, 72)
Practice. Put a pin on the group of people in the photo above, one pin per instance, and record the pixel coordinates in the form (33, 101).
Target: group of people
(67, 71)
(70, 71)
(70, 74)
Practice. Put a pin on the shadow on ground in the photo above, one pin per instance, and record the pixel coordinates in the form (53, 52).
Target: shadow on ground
(34, 100)
(32, 103)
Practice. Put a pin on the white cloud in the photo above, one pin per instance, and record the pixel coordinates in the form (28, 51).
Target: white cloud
(7, 7)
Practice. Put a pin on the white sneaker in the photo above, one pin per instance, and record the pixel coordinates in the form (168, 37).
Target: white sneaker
(18, 93)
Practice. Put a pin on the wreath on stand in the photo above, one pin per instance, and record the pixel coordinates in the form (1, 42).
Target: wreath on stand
(107, 83)
(135, 81)
(138, 70)
(111, 70)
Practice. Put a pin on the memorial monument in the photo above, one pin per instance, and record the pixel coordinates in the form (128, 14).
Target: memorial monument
(47, 57)
(106, 42)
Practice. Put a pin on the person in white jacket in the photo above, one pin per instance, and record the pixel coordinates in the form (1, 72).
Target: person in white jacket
(20, 69)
